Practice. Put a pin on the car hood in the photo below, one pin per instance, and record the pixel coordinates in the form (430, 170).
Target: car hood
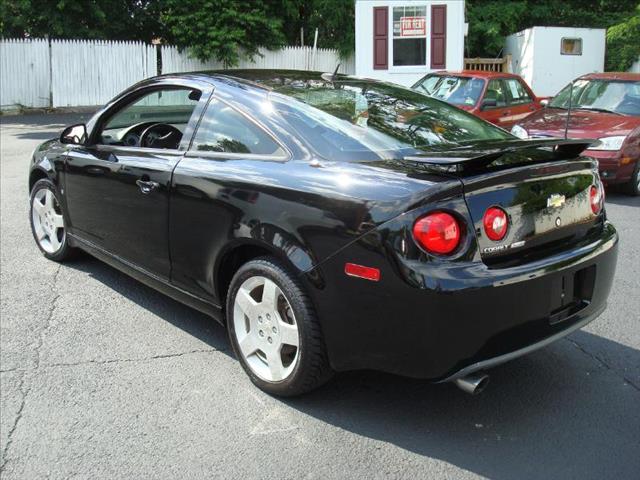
(551, 122)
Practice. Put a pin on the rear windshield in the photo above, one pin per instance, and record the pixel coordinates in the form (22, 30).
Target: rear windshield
(353, 116)
(452, 89)
(601, 95)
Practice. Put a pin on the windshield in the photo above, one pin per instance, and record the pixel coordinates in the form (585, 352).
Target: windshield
(615, 96)
(452, 89)
(363, 116)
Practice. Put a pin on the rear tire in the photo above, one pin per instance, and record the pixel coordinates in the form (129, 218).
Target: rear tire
(633, 187)
(47, 221)
(274, 330)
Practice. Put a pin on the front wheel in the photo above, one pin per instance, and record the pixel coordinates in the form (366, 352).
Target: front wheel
(633, 187)
(47, 221)
(274, 330)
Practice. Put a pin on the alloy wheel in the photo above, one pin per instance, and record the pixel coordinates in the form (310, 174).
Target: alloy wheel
(48, 223)
(266, 329)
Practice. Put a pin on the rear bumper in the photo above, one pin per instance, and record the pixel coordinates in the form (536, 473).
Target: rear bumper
(500, 359)
(442, 321)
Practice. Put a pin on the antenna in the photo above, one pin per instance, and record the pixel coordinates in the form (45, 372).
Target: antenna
(330, 77)
(566, 126)
(335, 72)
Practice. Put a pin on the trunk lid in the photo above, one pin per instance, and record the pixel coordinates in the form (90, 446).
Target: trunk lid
(543, 186)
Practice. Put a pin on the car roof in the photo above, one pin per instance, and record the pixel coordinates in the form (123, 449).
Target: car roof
(612, 76)
(477, 74)
(256, 80)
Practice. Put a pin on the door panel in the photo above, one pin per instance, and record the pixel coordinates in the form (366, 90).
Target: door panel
(108, 207)
(117, 187)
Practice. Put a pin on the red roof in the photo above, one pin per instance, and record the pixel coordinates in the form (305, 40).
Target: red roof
(612, 76)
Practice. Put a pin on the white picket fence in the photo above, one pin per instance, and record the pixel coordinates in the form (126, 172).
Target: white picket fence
(38, 73)
(91, 73)
(290, 58)
(25, 73)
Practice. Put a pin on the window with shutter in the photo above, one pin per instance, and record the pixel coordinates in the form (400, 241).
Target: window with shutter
(409, 35)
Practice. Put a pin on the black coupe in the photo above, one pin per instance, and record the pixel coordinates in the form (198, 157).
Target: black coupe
(333, 223)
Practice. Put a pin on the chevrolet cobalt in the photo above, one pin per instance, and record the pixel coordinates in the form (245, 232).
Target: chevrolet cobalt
(333, 223)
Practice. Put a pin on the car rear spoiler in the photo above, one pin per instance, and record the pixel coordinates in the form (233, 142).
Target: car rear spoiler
(478, 154)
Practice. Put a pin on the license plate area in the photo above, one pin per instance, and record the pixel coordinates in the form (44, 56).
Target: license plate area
(571, 293)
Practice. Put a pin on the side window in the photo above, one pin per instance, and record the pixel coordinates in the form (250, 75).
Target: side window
(495, 91)
(166, 111)
(223, 129)
(516, 92)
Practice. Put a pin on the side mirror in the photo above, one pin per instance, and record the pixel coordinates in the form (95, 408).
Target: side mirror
(74, 135)
(545, 102)
(489, 102)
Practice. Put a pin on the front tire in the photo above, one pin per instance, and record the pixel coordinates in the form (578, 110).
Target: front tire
(633, 187)
(274, 330)
(48, 224)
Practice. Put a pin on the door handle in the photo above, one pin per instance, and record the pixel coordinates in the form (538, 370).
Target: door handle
(147, 186)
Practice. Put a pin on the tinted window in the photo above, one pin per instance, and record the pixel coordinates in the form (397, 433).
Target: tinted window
(223, 129)
(350, 117)
(516, 92)
(495, 91)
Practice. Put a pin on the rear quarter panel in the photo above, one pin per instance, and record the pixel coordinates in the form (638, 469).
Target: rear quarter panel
(301, 213)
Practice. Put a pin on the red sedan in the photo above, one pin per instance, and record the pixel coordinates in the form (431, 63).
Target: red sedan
(500, 98)
(604, 106)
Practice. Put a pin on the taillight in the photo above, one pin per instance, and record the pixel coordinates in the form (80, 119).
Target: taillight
(496, 223)
(437, 233)
(596, 199)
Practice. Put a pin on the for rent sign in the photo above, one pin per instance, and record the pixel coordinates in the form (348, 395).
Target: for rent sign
(413, 26)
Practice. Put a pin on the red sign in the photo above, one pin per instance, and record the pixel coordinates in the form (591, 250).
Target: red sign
(413, 26)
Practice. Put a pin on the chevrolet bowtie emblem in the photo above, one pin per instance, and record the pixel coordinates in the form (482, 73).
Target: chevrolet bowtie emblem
(556, 200)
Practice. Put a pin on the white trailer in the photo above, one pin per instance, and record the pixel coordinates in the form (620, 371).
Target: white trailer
(548, 58)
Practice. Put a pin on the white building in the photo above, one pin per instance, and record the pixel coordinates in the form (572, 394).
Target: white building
(548, 58)
(402, 40)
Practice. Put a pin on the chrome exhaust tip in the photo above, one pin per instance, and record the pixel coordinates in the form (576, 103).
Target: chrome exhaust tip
(473, 383)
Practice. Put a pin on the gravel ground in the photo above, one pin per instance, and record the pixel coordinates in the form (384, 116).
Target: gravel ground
(102, 377)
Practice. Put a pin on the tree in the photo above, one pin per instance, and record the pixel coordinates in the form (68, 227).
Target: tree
(224, 30)
(623, 43)
(103, 19)
(334, 19)
(492, 20)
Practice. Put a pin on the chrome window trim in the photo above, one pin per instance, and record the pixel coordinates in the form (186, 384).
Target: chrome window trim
(123, 148)
(237, 156)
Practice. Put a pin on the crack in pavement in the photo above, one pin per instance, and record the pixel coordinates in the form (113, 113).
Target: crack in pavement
(24, 388)
(130, 360)
(603, 363)
(117, 360)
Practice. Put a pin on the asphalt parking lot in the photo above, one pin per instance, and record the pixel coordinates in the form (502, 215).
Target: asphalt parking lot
(102, 377)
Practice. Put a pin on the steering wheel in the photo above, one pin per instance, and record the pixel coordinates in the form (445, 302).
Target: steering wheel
(160, 135)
